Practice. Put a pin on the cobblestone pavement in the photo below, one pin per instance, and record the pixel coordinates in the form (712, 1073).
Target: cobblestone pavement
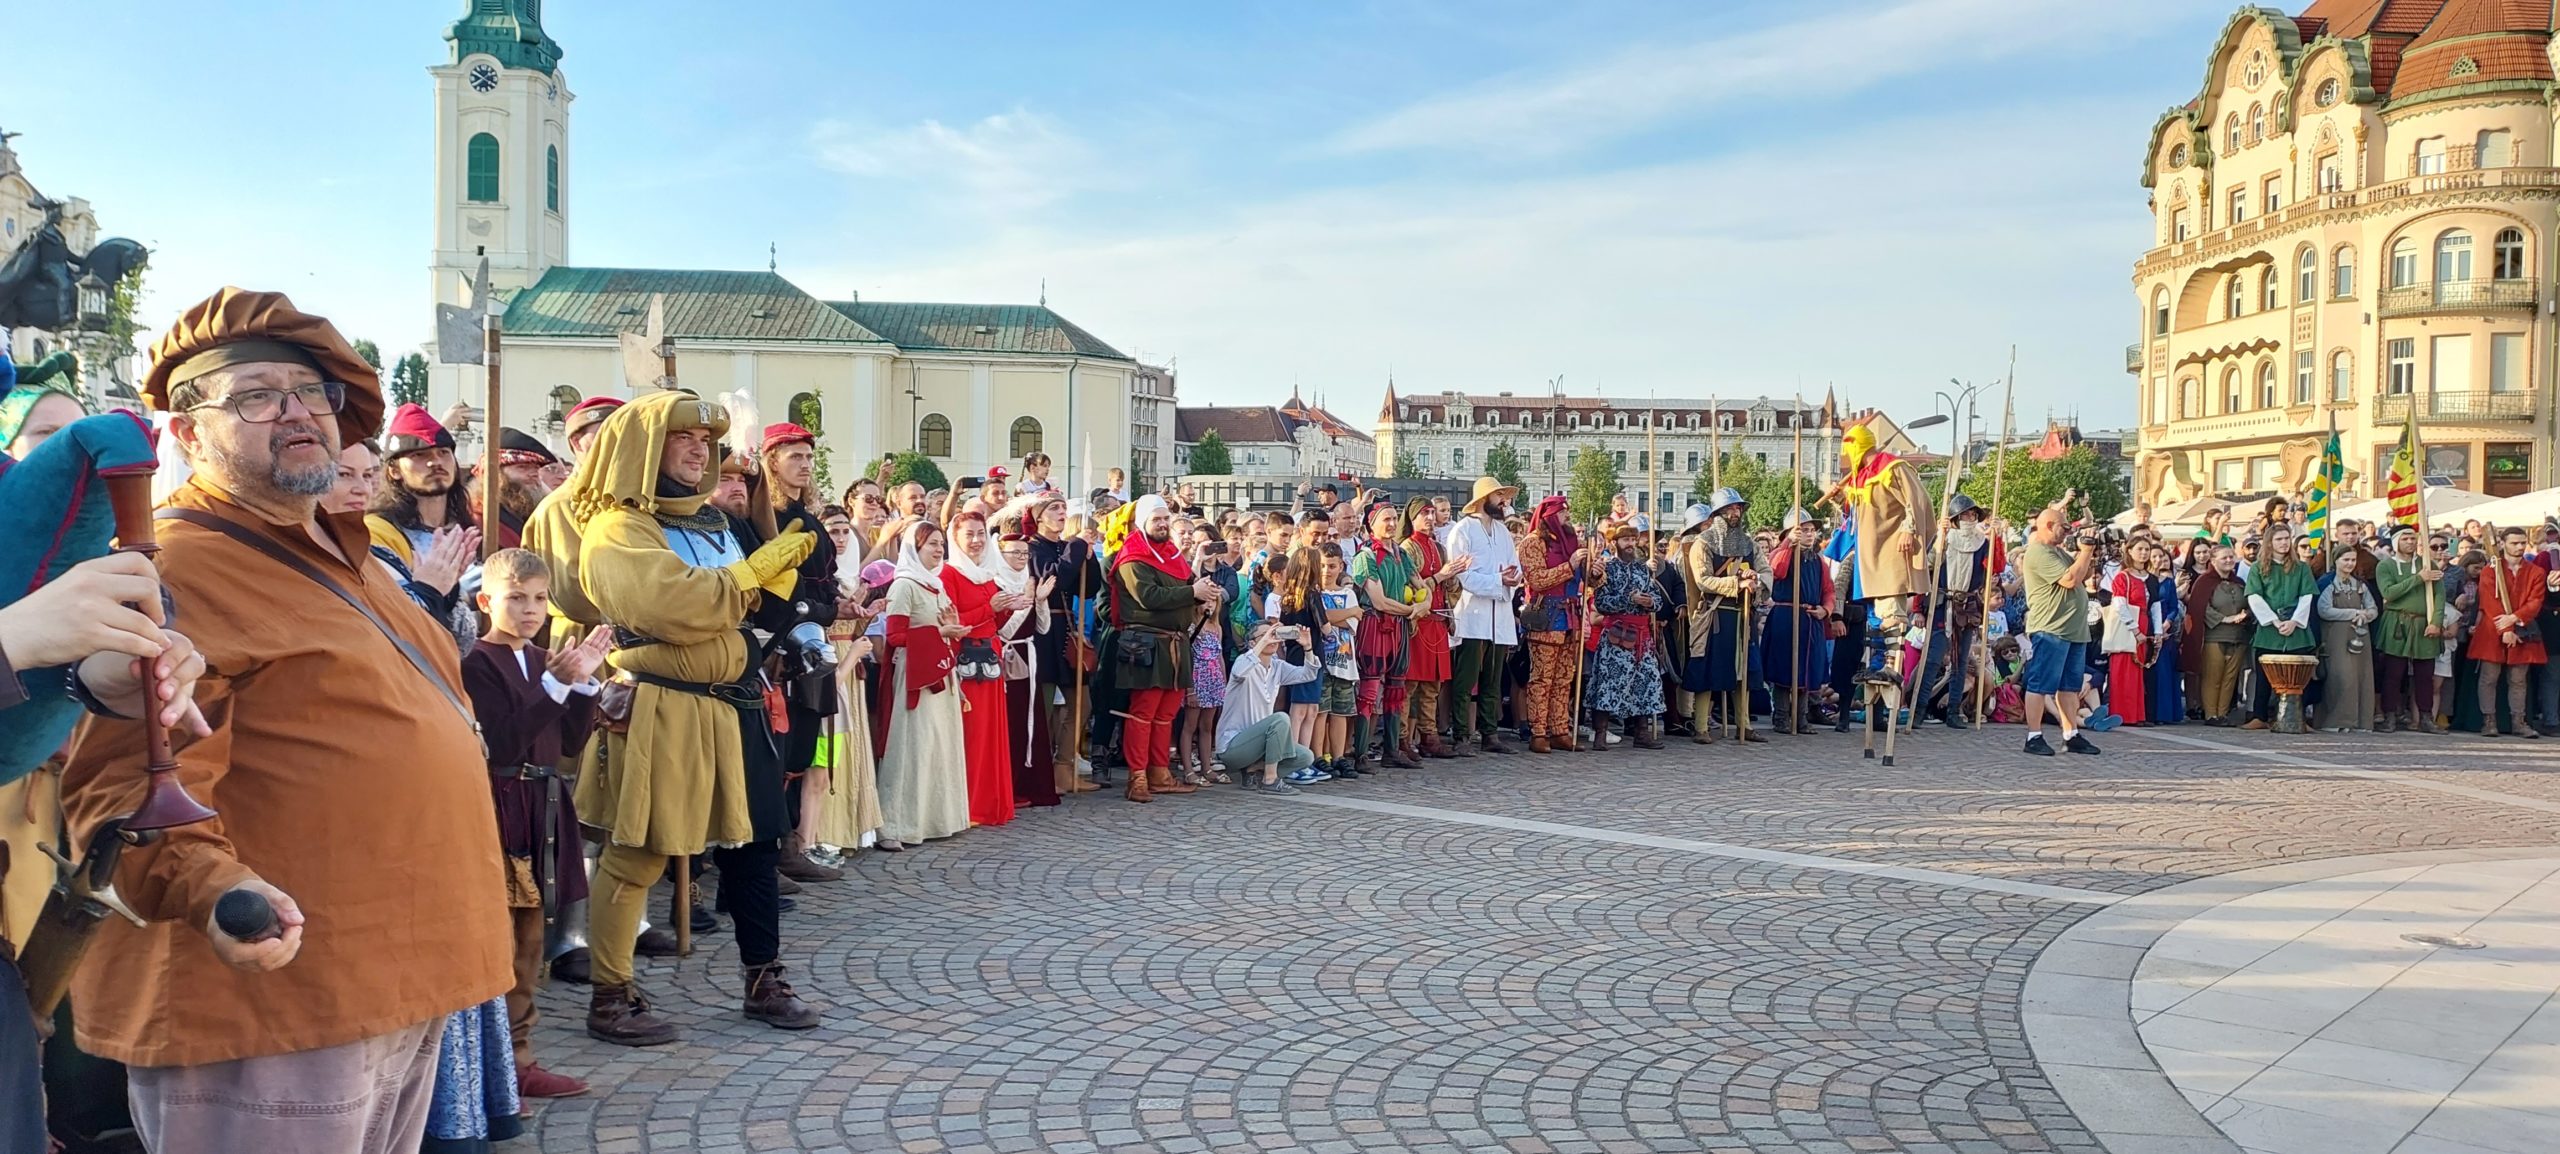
(1678, 951)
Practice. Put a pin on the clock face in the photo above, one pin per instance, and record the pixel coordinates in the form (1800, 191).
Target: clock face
(484, 78)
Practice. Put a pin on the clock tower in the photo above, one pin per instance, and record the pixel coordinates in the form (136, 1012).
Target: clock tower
(502, 151)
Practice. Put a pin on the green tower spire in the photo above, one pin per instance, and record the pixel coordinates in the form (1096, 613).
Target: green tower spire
(510, 30)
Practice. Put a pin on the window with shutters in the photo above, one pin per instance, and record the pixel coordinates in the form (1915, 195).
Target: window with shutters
(480, 169)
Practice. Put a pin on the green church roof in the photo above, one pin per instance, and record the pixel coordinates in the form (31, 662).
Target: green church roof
(977, 328)
(510, 30)
(700, 305)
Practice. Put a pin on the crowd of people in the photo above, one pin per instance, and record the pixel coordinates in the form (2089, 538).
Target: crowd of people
(457, 773)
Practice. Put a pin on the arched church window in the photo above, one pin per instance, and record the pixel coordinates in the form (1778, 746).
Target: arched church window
(1026, 437)
(480, 169)
(551, 177)
(933, 435)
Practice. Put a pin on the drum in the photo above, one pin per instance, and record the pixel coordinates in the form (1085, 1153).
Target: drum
(2288, 674)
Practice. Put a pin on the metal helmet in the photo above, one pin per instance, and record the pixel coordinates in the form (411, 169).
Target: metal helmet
(1640, 523)
(1695, 516)
(1959, 505)
(1725, 498)
(1796, 516)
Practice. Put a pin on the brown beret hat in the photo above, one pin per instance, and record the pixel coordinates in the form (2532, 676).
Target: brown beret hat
(236, 316)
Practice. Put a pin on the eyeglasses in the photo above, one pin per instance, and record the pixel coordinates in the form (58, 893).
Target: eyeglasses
(263, 406)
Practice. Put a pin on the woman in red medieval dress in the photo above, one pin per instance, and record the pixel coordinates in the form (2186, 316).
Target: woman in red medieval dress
(983, 605)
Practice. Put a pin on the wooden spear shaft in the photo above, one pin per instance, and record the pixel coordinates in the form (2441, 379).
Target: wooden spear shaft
(1999, 475)
(1796, 624)
(490, 473)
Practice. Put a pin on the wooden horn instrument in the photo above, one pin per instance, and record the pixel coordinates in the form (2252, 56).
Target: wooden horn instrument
(165, 803)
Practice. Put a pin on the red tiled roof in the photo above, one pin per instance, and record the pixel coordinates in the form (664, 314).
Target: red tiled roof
(2345, 19)
(2508, 57)
(2406, 17)
(2461, 18)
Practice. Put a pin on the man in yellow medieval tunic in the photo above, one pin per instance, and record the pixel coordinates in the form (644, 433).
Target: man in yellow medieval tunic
(1889, 516)
(692, 766)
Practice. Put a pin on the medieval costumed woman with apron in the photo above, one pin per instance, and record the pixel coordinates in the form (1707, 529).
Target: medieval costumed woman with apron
(982, 607)
(924, 776)
(1018, 637)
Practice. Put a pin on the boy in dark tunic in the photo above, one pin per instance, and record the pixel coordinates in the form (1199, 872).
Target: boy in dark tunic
(534, 708)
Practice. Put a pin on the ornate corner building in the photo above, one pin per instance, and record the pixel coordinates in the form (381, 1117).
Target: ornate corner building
(2354, 223)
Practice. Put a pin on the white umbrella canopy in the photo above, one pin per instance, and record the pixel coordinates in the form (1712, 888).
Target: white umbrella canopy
(2521, 509)
(2446, 505)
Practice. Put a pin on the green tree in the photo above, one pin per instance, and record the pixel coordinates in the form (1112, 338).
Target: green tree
(2027, 484)
(1404, 467)
(1594, 482)
(409, 380)
(1502, 463)
(1210, 457)
(916, 467)
(371, 352)
(122, 301)
(808, 414)
(1768, 492)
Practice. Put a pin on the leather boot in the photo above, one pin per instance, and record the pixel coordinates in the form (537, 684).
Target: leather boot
(1160, 779)
(1399, 747)
(1649, 733)
(1138, 787)
(771, 1001)
(1538, 744)
(1565, 742)
(618, 1014)
(1459, 748)
(655, 942)
(797, 866)
(1494, 742)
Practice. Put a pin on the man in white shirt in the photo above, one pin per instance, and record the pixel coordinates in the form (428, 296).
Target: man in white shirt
(1482, 631)
(1250, 736)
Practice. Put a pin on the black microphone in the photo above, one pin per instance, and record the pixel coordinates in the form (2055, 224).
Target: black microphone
(246, 916)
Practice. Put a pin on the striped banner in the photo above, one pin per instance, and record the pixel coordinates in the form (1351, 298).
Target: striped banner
(2324, 485)
(2400, 485)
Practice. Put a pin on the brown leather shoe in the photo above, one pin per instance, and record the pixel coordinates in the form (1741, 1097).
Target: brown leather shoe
(1649, 734)
(1160, 779)
(783, 885)
(1458, 748)
(620, 1015)
(1564, 742)
(771, 1001)
(655, 942)
(1538, 744)
(1404, 757)
(1138, 788)
(1496, 743)
(797, 867)
(533, 1081)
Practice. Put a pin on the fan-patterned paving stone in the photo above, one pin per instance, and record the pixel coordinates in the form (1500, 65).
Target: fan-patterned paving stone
(1226, 972)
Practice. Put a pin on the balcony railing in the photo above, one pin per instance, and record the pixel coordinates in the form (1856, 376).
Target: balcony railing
(2458, 296)
(2304, 210)
(2450, 407)
(2133, 357)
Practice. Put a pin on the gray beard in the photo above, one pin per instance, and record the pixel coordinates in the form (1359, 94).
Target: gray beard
(1726, 539)
(313, 482)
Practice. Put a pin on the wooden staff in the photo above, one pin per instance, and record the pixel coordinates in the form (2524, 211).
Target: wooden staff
(684, 862)
(490, 473)
(1582, 641)
(1795, 625)
(1075, 658)
(1937, 598)
(1999, 475)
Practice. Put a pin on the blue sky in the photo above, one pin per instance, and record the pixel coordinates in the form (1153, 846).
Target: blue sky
(1728, 197)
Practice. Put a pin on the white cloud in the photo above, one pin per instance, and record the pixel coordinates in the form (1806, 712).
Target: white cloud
(1887, 260)
(1545, 113)
(1007, 162)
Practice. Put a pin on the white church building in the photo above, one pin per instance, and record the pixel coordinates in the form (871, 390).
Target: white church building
(972, 385)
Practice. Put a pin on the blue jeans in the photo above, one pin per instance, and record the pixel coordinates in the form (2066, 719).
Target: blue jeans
(2055, 665)
(1956, 653)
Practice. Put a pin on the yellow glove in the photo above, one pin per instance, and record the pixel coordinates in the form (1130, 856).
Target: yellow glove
(775, 567)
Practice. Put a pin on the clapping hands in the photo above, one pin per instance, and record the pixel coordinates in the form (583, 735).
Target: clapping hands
(575, 664)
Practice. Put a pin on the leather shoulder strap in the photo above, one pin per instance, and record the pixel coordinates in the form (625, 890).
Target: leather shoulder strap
(285, 557)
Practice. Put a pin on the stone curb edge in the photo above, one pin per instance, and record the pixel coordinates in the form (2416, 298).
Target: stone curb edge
(2077, 1007)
